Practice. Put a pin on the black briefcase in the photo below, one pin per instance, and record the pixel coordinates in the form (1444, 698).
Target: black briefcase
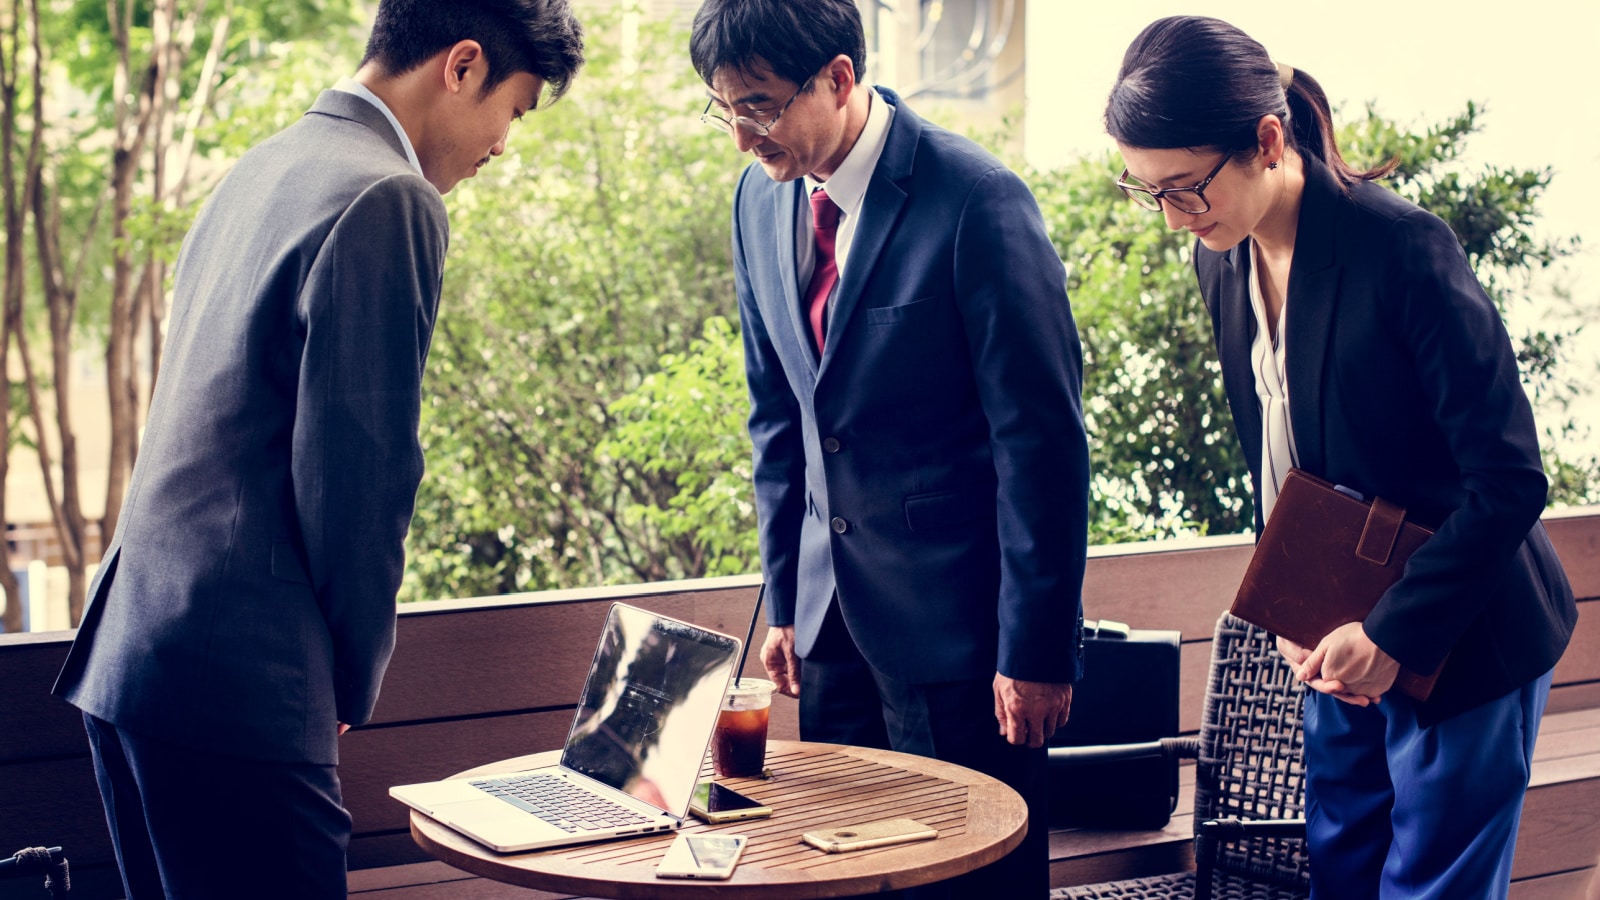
(1128, 695)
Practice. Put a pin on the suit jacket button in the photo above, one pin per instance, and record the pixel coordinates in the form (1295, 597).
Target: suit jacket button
(830, 444)
(839, 525)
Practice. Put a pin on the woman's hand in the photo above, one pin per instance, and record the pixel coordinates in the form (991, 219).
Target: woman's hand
(1348, 665)
(1294, 653)
(1297, 656)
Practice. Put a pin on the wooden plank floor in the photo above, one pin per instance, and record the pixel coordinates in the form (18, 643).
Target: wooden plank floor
(1565, 886)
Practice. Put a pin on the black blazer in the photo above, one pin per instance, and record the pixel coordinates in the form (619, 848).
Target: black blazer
(1403, 385)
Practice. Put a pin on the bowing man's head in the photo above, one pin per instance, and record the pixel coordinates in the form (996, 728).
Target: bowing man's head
(457, 73)
(784, 79)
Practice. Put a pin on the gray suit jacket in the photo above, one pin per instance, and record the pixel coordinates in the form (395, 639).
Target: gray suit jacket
(245, 604)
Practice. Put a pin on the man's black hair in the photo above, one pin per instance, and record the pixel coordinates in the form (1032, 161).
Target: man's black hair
(794, 38)
(541, 37)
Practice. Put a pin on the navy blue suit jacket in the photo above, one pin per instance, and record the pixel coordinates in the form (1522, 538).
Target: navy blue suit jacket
(931, 466)
(245, 604)
(1403, 385)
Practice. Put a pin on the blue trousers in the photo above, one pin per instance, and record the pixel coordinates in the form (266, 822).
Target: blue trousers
(187, 824)
(1394, 810)
(844, 700)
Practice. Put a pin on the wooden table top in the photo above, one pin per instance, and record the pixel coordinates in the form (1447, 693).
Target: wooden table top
(813, 786)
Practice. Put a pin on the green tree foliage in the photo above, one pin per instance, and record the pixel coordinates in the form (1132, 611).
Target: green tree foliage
(687, 422)
(118, 117)
(1494, 212)
(1162, 451)
(597, 244)
(277, 56)
(1164, 457)
(585, 423)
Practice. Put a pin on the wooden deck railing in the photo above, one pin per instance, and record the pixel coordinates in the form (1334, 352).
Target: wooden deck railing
(483, 679)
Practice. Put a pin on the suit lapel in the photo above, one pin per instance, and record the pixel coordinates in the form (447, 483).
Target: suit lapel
(785, 209)
(1314, 295)
(880, 211)
(1237, 332)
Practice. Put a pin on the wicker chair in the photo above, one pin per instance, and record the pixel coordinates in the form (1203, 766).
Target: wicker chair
(36, 861)
(1249, 782)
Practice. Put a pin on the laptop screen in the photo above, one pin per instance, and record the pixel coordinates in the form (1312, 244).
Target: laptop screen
(647, 711)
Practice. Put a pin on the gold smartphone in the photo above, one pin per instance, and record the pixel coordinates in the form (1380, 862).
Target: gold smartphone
(715, 803)
(871, 834)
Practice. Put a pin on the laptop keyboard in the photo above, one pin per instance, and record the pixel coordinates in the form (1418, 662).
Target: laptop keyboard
(560, 802)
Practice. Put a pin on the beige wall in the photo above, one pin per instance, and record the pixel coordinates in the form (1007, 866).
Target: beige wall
(91, 416)
(30, 531)
(981, 103)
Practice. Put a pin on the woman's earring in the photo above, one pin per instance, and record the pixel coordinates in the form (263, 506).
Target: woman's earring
(1272, 165)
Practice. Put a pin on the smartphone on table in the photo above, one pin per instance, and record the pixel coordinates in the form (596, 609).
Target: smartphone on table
(716, 803)
(870, 834)
(709, 856)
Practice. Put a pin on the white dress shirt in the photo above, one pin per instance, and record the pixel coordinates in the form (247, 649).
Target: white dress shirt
(1268, 358)
(847, 189)
(352, 86)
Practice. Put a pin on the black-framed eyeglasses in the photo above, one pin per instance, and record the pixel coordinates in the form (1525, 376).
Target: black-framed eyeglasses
(754, 126)
(1191, 200)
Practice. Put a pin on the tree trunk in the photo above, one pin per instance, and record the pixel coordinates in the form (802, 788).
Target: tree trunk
(13, 283)
(132, 128)
(60, 297)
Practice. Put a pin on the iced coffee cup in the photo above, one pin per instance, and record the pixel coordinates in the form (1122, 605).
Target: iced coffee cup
(739, 743)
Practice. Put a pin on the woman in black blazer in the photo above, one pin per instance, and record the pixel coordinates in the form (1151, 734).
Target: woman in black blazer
(1357, 344)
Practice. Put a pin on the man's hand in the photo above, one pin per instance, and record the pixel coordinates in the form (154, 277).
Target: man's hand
(783, 666)
(343, 728)
(1029, 712)
(1348, 665)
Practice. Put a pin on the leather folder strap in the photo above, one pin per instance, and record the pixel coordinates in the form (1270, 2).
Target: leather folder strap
(1378, 536)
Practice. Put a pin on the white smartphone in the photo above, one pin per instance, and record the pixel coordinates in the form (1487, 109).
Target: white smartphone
(709, 856)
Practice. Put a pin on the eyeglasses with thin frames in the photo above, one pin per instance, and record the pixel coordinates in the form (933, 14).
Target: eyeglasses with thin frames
(1152, 199)
(754, 126)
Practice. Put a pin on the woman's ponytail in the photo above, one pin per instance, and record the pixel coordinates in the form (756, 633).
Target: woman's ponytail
(1311, 126)
(1193, 81)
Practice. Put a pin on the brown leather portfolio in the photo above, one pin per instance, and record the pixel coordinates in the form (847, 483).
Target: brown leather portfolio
(1324, 559)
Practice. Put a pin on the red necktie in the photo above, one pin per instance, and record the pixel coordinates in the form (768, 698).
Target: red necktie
(825, 224)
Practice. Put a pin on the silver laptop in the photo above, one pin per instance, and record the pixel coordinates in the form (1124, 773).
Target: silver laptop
(633, 754)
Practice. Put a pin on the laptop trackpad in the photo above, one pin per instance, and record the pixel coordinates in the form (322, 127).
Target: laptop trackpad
(456, 801)
(487, 809)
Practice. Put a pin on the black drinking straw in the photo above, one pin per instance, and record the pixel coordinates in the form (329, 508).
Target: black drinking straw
(738, 673)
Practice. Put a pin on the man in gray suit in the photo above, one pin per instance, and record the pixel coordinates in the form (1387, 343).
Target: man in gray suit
(243, 615)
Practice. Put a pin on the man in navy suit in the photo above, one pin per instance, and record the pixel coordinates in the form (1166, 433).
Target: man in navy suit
(921, 469)
(243, 615)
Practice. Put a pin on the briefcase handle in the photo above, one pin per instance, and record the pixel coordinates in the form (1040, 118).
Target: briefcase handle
(1106, 628)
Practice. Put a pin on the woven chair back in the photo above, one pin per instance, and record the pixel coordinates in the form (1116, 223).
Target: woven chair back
(1250, 764)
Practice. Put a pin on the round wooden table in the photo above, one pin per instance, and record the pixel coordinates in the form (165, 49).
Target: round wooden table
(813, 786)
